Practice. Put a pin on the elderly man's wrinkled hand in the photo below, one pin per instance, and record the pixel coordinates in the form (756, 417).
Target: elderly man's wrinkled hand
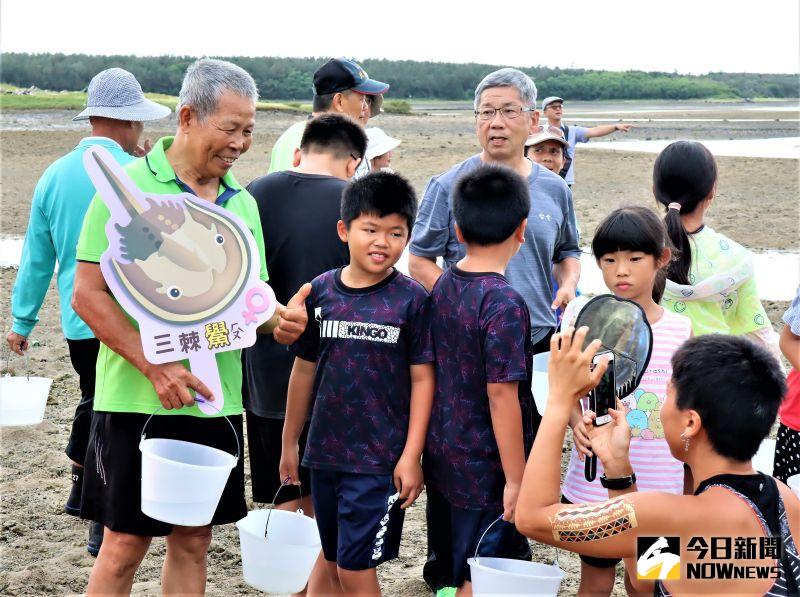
(17, 343)
(293, 318)
(570, 372)
(172, 382)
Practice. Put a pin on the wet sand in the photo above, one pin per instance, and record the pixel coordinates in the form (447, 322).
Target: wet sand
(43, 549)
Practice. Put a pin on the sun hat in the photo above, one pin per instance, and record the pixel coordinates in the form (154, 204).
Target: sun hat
(115, 93)
(341, 74)
(547, 132)
(550, 100)
(379, 143)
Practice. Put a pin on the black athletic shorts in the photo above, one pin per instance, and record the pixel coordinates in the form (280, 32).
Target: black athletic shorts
(112, 489)
(264, 445)
(83, 355)
(455, 533)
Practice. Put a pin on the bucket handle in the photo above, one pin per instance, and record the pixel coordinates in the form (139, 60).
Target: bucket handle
(5, 350)
(198, 399)
(494, 522)
(284, 483)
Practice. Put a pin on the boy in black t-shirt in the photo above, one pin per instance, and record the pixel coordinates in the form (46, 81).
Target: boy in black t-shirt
(481, 426)
(299, 210)
(367, 364)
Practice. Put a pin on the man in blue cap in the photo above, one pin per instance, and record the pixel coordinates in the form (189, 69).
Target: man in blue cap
(116, 109)
(340, 86)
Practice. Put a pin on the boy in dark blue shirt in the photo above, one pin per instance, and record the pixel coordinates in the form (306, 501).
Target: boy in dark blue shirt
(481, 424)
(368, 365)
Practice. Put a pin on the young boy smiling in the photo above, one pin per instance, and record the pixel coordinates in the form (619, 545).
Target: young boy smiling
(368, 365)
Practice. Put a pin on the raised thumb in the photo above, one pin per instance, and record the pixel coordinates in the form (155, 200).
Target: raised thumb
(300, 297)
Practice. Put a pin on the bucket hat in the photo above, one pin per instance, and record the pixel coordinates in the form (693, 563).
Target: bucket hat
(546, 132)
(115, 93)
(379, 143)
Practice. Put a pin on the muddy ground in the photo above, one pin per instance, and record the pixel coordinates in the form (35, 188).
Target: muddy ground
(42, 550)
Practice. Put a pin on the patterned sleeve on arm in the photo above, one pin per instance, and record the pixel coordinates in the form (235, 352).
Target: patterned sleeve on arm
(505, 327)
(421, 339)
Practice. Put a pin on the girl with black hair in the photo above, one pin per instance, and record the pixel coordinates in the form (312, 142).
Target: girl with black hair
(711, 280)
(632, 248)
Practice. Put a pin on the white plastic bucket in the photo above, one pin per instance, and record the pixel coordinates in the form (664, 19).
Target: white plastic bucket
(764, 460)
(794, 484)
(539, 384)
(500, 576)
(182, 482)
(281, 561)
(23, 400)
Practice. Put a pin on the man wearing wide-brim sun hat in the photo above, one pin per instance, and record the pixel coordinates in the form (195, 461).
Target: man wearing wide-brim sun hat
(341, 86)
(117, 109)
(115, 93)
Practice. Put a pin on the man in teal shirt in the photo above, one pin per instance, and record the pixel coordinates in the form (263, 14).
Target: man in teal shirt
(116, 109)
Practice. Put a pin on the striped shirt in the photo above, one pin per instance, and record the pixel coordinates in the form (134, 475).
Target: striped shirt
(655, 468)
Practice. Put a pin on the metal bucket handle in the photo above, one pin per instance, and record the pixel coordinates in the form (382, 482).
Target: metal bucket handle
(478, 546)
(5, 350)
(203, 400)
(275, 497)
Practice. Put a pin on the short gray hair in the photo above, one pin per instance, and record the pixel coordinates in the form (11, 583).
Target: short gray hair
(207, 79)
(509, 77)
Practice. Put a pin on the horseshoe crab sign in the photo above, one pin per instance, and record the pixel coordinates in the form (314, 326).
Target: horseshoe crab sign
(185, 269)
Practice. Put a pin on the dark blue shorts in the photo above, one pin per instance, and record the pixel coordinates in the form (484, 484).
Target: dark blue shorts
(453, 534)
(358, 516)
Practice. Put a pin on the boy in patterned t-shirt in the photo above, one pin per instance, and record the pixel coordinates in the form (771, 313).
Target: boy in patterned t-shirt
(481, 425)
(368, 365)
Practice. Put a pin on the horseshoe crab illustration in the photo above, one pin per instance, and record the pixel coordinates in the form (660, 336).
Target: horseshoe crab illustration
(177, 259)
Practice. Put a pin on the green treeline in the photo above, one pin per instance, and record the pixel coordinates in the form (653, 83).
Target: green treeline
(290, 78)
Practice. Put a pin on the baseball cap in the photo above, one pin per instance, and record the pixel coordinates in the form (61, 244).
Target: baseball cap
(115, 93)
(341, 74)
(547, 132)
(549, 100)
(379, 143)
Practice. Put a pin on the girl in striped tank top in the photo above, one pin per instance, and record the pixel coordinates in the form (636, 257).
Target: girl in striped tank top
(632, 248)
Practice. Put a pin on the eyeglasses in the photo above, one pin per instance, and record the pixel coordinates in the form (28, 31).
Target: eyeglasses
(507, 112)
(356, 158)
(553, 130)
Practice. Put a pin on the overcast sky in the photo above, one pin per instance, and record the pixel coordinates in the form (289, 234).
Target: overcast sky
(688, 36)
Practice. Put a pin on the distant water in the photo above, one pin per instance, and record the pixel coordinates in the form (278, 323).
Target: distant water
(779, 147)
(777, 272)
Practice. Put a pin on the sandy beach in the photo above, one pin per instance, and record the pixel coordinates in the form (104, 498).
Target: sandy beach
(42, 550)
